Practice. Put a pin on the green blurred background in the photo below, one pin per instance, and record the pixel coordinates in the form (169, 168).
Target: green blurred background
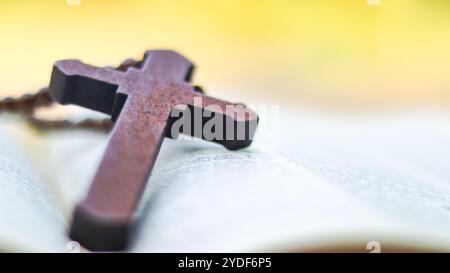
(289, 52)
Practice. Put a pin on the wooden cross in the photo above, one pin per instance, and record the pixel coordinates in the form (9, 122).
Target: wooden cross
(141, 101)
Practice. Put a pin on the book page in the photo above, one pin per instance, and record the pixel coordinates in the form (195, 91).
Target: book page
(204, 198)
(342, 181)
(201, 197)
(72, 154)
(396, 162)
(332, 181)
(76, 155)
(31, 219)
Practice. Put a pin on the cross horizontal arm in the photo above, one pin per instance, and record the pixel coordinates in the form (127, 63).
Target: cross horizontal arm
(74, 82)
(204, 117)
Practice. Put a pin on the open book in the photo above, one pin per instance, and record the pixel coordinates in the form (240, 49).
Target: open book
(333, 183)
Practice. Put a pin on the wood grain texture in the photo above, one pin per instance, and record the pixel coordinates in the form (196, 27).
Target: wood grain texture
(140, 101)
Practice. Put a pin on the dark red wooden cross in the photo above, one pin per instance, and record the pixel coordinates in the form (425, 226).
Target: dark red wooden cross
(140, 101)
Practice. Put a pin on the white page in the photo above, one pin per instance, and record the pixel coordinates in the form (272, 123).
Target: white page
(337, 186)
(209, 199)
(75, 154)
(200, 186)
(342, 182)
(30, 218)
(395, 162)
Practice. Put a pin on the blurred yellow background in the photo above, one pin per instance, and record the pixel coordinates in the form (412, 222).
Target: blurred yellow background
(344, 52)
